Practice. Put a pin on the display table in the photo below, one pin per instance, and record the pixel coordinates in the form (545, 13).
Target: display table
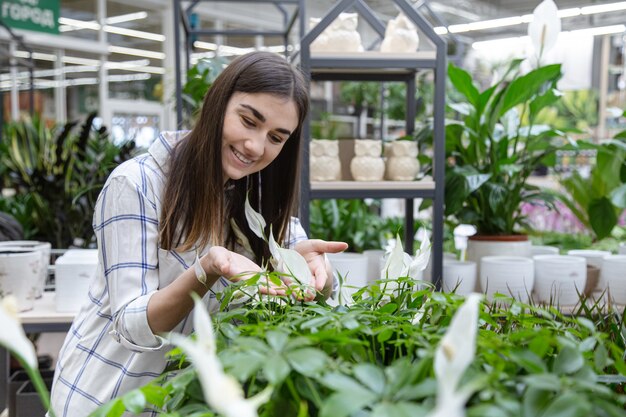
(43, 318)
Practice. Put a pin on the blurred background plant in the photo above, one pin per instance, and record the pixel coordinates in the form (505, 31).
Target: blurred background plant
(53, 176)
(200, 77)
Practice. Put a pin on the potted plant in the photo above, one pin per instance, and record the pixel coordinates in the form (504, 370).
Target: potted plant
(493, 150)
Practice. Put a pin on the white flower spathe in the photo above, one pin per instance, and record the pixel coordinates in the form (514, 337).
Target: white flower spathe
(401, 264)
(545, 27)
(455, 353)
(222, 392)
(12, 336)
(255, 220)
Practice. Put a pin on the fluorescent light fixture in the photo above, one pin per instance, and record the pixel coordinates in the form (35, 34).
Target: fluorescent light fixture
(80, 61)
(68, 25)
(441, 30)
(134, 33)
(136, 52)
(36, 55)
(518, 40)
(603, 8)
(45, 84)
(527, 18)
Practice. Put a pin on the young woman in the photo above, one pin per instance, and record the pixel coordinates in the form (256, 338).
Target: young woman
(161, 212)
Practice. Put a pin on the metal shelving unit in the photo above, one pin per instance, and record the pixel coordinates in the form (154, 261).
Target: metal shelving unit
(182, 16)
(375, 66)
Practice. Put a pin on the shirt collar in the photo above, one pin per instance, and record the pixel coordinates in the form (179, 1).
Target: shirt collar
(161, 149)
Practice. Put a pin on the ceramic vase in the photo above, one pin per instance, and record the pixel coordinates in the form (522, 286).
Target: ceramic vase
(559, 280)
(367, 164)
(402, 162)
(19, 275)
(44, 249)
(543, 250)
(613, 276)
(594, 258)
(400, 36)
(340, 36)
(325, 164)
(459, 276)
(512, 276)
(352, 267)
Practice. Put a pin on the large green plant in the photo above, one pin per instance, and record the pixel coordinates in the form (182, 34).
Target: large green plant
(491, 153)
(57, 176)
(599, 199)
(376, 358)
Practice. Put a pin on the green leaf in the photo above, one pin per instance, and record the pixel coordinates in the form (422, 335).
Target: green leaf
(134, 401)
(276, 369)
(535, 401)
(114, 408)
(385, 334)
(547, 99)
(388, 308)
(342, 404)
(462, 81)
(602, 217)
(386, 409)
(371, 376)
(307, 361)
(154, 394)
(568, 361)
(525, 87)
(548, 382)
(569, 405)
(277, 340)
(529, 361)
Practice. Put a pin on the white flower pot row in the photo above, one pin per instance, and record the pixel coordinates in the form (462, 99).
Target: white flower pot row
(551, 279)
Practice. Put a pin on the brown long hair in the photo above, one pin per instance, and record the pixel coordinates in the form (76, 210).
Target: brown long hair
(196, 206)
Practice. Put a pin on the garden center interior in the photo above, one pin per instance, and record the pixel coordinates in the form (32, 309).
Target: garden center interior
(457, 147)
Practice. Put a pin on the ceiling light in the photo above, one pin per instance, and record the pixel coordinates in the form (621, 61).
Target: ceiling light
(68, 25)
(134, 33)
(79, 24)
(113, 20)
(603, 8)
(136, 52)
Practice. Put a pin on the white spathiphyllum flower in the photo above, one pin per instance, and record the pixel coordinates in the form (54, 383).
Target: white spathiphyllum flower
(289, 261)
(454, 355)
(222, 392)
(545, 27)
(255, 220)
(401, 264)
(12, 336)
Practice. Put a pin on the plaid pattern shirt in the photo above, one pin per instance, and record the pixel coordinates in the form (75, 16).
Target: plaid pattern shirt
(110, 349)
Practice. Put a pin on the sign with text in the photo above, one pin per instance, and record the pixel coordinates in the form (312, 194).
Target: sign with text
(36, 15)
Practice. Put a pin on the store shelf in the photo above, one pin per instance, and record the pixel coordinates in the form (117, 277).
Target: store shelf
(373, 189)
(370, 62)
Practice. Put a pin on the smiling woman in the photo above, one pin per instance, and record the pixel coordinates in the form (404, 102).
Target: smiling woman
(166, 225)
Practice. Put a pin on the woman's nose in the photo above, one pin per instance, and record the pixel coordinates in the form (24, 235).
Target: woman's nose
(255, 145)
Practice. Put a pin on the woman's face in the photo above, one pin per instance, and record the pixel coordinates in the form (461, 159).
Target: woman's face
(256, 127)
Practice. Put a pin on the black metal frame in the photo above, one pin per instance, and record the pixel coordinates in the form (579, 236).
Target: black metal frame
(181, 15)
(393, 69)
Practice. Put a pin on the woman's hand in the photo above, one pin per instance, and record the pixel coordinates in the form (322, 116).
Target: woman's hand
(313, 251)
(220, 262)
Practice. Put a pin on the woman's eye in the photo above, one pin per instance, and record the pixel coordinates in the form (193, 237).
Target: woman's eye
(247, 121)
(276, 139)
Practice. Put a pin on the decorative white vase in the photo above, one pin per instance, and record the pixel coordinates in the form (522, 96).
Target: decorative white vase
(400, 36)
(325, 164)
(340, 35)
(367, 164)
(613, 278)
(559, 279)
(513, 276)
(375, 262)
(402, 164)
(622, 248)
(19, 275)
(44, 249)
(459, 276)
(352, 267)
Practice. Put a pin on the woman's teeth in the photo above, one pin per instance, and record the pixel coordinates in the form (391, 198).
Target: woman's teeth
(241, 157)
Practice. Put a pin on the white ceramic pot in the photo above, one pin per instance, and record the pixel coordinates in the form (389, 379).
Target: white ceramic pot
(375, 262)
(367, 164)
(559, 279)
(352, 267)
(480, 246)
(19, 275)
(402, 164)
(622, 248)
(613, 277)
(543, 250)
(513, 276)
(325, 164)
(459, 276)
(44, 249)
(593, 257)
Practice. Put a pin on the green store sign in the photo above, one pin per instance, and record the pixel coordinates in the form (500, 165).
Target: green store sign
(36, 15)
